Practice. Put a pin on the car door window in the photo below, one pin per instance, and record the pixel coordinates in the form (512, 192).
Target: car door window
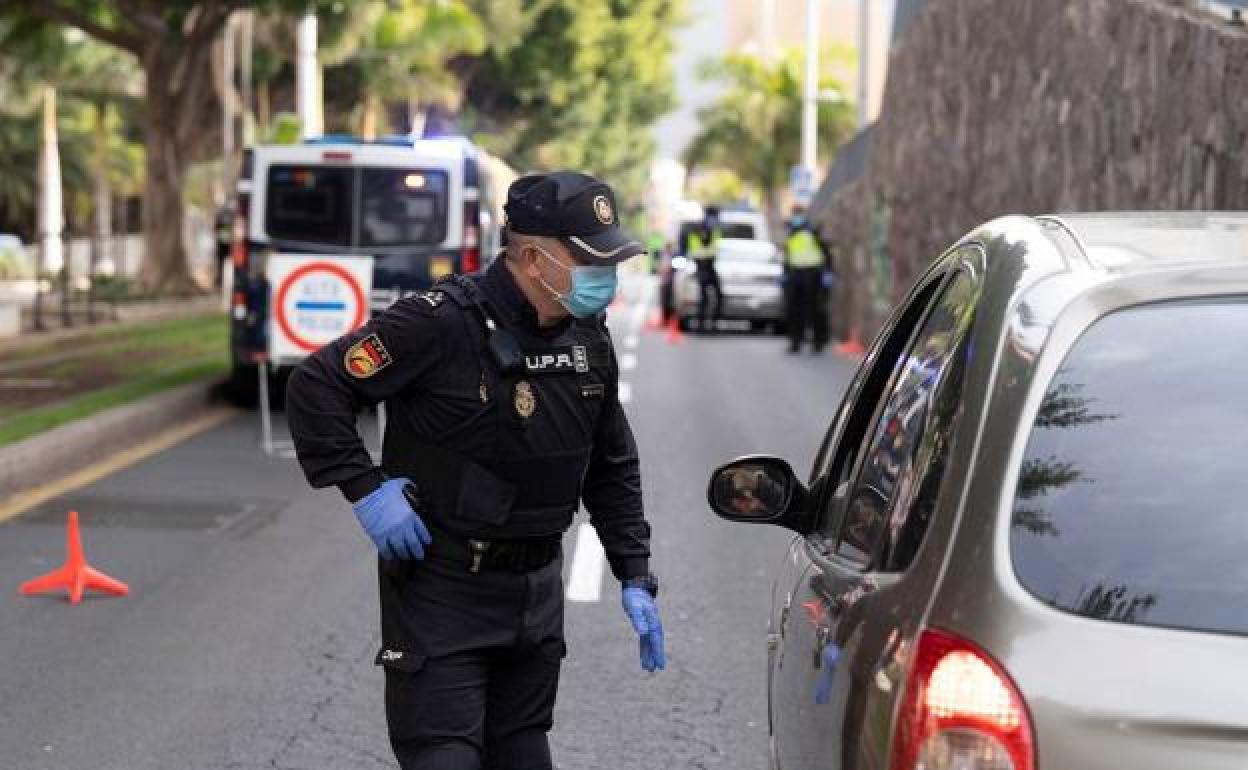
(891, 501)
(837, 455)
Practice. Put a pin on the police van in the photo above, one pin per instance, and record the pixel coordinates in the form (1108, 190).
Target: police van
(421, 208)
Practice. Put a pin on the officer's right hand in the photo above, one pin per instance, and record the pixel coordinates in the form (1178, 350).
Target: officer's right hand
(388, 518)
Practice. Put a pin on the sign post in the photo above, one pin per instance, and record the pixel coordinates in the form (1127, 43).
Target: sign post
(314, 300)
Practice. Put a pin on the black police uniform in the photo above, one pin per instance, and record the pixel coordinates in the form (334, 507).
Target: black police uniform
(505, 426)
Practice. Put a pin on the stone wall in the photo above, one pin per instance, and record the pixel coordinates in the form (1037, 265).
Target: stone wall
(1040, 106)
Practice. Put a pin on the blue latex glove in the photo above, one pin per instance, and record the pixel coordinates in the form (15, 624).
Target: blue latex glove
(389, 520)
(827, 677)
(644, 615)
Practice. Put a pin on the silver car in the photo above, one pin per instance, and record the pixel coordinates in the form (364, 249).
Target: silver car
(751, 273)
(1024, 542)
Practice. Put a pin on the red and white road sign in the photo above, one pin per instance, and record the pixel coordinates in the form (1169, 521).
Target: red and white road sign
(315, 300)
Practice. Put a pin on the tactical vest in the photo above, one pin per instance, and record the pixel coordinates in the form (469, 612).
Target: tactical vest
(541, 403)
(802, 250)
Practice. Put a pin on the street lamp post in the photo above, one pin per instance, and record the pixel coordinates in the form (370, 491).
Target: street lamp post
(810, 99)
(307, 77)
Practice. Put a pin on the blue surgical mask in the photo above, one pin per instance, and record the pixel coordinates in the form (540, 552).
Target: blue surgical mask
(592, 288)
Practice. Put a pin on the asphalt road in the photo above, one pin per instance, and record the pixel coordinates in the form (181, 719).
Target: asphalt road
(249, 635)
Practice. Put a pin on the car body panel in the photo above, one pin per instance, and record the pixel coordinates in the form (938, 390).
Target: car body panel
(1100, 694)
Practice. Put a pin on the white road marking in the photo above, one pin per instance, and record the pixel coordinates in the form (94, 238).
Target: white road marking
(632, 341)
(626, 392)
(588, 562)
(628, 361)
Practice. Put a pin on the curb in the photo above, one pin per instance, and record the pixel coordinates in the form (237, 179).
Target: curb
(75, 445)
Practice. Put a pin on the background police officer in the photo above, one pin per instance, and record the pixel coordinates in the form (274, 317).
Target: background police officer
(501, 393)
(806, 271)
(701, 246)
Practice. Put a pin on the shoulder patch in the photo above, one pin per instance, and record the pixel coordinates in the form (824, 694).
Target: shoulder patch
(366, 357)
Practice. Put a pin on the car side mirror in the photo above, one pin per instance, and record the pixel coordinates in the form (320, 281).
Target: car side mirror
(762, 490)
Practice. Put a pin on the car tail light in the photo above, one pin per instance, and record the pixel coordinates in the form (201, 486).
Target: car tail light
(470, 255)
(238, 244)
(960, 711)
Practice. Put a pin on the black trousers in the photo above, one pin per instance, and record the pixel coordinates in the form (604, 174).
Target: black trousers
(472, 664)
(708, 280)
(806, 306)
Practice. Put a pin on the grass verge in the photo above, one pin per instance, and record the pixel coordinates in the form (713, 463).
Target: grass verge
(123, 367)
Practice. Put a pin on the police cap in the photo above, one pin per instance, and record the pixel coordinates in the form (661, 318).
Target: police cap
(576, 208)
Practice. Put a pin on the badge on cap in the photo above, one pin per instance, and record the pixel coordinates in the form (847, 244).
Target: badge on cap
(366, 357)
(602, 208)
(525, 399)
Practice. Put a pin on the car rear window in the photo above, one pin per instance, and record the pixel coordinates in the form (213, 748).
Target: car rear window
(310, 204)
(737, 230)
(402, 206)
(1132, 501)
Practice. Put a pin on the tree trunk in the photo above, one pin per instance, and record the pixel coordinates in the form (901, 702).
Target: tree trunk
(773, 214)
(370, 117)
(103, 204)
(165, 269)
(263, 111)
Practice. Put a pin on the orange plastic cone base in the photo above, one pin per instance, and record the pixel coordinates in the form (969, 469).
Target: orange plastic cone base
(851, 347)
(75, 575)
(674, 335)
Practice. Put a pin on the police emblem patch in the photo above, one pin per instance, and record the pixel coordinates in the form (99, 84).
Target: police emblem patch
(602, 209)
(366, 357)
(525, 399)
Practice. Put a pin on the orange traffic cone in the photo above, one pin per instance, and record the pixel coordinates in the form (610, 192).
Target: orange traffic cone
(852, 346)
(75, 575)
(674, 335)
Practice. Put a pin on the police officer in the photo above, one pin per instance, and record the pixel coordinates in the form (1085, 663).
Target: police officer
(701, 246)
(501, 393)
(806, 277)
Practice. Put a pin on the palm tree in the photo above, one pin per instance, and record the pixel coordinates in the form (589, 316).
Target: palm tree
(754, 128)
(401, 49)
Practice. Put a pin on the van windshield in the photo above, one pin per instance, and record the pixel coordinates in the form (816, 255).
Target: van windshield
(355, 207)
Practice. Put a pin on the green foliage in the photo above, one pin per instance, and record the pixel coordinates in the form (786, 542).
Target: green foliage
(717, 186)
(754, 129)
(576, 84)
(399, 50)
(287, 129)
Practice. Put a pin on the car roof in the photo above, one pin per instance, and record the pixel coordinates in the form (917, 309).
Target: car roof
(1134, 242)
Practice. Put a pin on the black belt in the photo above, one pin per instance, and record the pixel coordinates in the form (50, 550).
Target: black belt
(518, 555)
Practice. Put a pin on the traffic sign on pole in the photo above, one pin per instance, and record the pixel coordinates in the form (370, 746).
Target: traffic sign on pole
(315, 300)
(802, 183)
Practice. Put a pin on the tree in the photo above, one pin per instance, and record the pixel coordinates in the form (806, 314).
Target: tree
(400, 49)
(754, 128)
(172, 42)
(573, 84)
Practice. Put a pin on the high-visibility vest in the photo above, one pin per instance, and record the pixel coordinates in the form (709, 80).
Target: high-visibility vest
(697, 249)
(802, 250)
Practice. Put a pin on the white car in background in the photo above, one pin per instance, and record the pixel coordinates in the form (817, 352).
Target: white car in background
(751, 273)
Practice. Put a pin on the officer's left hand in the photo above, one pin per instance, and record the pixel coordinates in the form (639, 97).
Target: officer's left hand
(644, 614)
